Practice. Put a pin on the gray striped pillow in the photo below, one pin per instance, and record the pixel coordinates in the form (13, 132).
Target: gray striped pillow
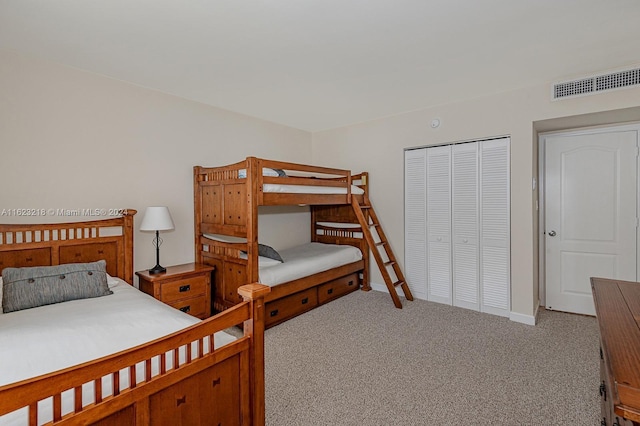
(25, 288)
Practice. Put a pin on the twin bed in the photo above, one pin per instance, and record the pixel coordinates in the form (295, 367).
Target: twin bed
(334, 263)
(124, 357)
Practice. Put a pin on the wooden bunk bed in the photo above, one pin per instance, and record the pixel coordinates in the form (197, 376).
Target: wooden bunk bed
(179, 378)
(226, 201)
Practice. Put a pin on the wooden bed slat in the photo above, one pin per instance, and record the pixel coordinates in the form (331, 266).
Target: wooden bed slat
(57, 406)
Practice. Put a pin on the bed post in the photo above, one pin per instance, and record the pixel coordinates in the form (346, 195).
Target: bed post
(254, 328)
(254, 186)
(366, 283)
(197, 213)
(127, 232)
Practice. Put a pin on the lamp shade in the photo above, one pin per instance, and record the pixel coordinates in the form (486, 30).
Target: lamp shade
(157, 219)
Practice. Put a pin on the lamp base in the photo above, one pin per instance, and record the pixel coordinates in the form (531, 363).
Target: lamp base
(157, 270)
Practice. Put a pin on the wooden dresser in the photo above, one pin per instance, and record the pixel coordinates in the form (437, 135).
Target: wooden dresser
(618, 311)
(185, 287)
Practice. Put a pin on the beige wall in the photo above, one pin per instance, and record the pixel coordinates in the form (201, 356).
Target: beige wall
(377, 147)
(71, 139)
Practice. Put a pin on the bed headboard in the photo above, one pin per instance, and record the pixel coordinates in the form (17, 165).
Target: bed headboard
(76, 242)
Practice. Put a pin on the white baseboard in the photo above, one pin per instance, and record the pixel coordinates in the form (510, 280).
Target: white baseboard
(513, 316)
(525, 319)
(379, 287)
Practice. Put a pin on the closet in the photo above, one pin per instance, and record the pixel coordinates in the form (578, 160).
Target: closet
(457, 247)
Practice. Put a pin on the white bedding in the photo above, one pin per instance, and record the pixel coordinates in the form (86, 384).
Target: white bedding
(48, 338)
(308, 259)
(303, 189)
(299, 189)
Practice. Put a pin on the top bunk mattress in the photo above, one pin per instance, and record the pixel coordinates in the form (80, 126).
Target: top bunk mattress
(298, 189)
(304, 189)
(308, 259)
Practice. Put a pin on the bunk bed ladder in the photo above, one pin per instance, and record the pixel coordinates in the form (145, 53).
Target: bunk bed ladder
(387, 263)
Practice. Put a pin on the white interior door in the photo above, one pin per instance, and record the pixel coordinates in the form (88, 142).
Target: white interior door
(590, 213)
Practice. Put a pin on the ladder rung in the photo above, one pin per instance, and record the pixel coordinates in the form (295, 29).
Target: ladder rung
(381, 243)
(391, 262)
(373, 225)
(398, 283)
(365, 207)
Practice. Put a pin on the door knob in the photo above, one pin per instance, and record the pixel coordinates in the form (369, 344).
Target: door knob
(552, 233)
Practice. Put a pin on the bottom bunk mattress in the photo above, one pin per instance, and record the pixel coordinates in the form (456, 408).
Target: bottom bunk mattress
(308, 259)
(52, 337)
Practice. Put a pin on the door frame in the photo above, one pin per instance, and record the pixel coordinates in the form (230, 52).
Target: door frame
(541, 195)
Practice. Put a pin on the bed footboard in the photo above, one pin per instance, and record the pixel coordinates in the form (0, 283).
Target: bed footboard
(178, 379)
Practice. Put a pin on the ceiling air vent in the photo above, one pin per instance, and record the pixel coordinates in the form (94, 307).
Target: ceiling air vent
(599, 83)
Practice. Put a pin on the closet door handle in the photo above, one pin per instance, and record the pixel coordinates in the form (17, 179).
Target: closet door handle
(552, 233)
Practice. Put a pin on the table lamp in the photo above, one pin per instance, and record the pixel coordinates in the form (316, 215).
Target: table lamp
(157, 219)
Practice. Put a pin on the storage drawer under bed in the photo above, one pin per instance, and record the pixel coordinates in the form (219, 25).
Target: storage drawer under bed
(336, 288)
(290, 306)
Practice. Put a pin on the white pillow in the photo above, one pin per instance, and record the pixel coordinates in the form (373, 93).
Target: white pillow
(263, 262)
(225, 238)
(112, 282)
(242, 173)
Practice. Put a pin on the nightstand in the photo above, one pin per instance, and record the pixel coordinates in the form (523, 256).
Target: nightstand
(186, 287)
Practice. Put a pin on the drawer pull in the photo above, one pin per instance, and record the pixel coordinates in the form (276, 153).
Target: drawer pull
(305, 300)
(350, 283)
(185, 308)
(330, 291)
(273, 313)
(215, 382)
(184, 288)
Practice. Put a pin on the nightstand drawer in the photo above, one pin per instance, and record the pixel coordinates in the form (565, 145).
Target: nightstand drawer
(184, 288)
(195, 307)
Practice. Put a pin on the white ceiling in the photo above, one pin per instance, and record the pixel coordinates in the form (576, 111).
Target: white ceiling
(321, 64)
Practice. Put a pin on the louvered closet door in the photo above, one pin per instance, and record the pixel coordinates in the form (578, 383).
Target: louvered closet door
(415, 219)
(495, 274)
(439, 224)
(465, 238)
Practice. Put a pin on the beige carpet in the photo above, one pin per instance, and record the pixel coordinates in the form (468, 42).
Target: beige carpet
(360, 361)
